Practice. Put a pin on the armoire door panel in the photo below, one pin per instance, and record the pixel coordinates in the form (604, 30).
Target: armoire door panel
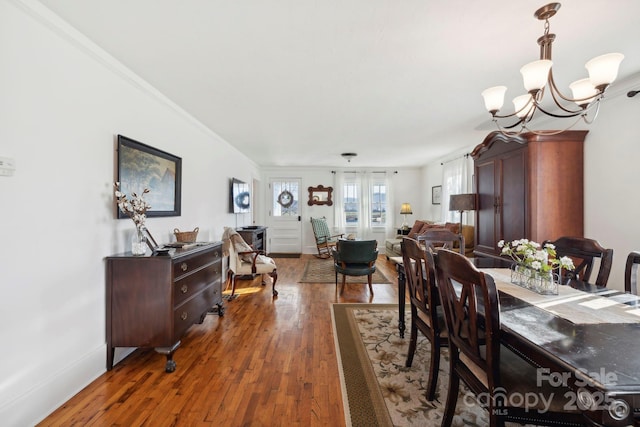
(486, 233)
(514, 202)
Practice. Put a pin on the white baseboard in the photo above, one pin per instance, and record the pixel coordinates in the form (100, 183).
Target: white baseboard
(54, 390)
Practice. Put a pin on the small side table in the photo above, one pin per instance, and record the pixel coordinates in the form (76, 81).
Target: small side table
(403, 231)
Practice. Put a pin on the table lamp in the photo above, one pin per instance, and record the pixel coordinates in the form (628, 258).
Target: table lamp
(405, 210)
(461, 203)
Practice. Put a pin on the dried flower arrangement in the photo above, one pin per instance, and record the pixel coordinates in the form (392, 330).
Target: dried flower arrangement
(136, 207)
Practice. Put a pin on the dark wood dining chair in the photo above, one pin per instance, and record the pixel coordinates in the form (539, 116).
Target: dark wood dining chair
(584, 251)
(424, 300)
(492, 372)
(442, 238)
(631, 273)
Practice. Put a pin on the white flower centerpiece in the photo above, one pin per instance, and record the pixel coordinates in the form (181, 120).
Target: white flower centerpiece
(536, 267)
(136, 208)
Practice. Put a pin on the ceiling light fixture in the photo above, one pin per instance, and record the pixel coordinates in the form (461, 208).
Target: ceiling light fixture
(348, 156)
(587, 92)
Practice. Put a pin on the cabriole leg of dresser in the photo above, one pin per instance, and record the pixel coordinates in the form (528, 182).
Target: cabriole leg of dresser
(170, 366)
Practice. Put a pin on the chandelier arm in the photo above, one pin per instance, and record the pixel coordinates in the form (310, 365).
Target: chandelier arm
(555, 93)
(552, 132)
(595, 115)
(524, 128)
(561, 116)
(510, 133)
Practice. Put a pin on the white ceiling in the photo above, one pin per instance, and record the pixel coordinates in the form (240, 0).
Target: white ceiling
(297, 82)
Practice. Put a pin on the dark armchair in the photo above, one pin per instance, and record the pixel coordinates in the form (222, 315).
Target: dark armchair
(355, 258)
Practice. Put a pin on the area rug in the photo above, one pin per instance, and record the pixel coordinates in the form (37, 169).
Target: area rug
(321, 271)
(377, 389)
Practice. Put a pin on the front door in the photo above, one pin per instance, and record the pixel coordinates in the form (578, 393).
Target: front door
(285, 229)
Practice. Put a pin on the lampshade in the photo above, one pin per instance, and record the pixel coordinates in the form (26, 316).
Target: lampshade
(583, 91)
(462, 202)
(603, 69)
(494, 97)
(405, 209)
(523, 105)
(535, 74)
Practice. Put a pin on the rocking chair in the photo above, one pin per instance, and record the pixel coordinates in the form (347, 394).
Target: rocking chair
(325, 242)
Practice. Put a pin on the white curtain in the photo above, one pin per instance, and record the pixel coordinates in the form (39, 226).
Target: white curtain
(364, 183)
(455, 177)
(389, 228)
(340, 224)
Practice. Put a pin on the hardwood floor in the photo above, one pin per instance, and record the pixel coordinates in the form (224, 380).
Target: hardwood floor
(266, 362)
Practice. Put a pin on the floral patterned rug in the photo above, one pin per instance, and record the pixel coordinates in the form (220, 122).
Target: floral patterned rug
(380, 390)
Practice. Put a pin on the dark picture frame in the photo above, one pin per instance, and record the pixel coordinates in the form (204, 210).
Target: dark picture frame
(436, 195)
(320, 195)
(151, 242)
(141, 166)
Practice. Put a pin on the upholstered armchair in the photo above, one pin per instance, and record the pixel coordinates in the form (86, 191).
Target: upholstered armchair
(355, 258)
(245, 261)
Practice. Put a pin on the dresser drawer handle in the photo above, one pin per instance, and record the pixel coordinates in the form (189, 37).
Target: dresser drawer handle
(184, 289)
(184, 315)
(184, 266)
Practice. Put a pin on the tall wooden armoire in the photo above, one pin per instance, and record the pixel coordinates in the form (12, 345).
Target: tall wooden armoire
(529, 186)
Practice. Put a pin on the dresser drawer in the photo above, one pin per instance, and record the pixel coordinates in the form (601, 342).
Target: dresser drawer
(187, 286)
(186, 265)
(190, 312)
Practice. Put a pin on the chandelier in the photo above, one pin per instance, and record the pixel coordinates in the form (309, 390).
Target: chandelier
(538, 78)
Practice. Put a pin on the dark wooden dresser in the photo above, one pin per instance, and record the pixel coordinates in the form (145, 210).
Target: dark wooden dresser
(255, 236)
(152, 300)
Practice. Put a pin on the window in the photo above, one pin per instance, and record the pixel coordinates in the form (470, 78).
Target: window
(351, 203)
(379, 204)
(285, 198)
(373, 202)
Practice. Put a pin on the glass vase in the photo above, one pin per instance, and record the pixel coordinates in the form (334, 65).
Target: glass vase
(138, 242)
(541, 282)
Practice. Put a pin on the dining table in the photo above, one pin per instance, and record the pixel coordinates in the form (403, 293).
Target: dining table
(586, 338)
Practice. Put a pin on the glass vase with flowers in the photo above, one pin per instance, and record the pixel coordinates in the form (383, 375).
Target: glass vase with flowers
(537, 266)
(136, 208)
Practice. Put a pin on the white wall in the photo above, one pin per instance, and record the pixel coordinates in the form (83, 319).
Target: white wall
(612, 155)
(61, 106)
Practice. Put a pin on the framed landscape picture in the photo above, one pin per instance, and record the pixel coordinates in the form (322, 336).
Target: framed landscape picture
(436, 195)
(141, 166)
